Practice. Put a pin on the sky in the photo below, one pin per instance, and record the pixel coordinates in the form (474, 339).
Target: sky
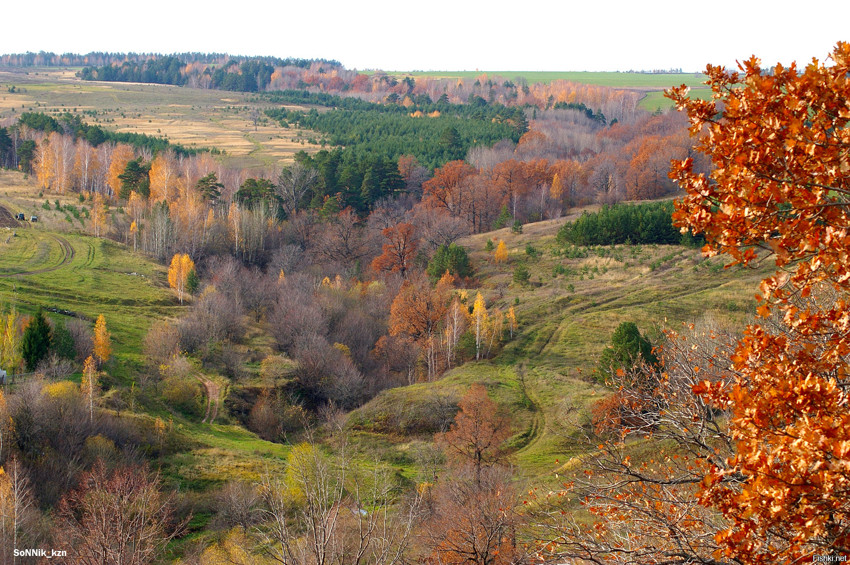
(398, 35)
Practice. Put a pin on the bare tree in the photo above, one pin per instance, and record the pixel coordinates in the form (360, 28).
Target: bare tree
(647, 510)
(117, 517)
(15, 508)
(293, 184)
(474, 519)
(325, 510)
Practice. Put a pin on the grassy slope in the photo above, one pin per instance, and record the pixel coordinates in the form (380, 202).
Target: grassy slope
(543, 376)
(131, 291)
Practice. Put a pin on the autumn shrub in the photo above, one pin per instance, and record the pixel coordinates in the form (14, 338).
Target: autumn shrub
(82, 336)
(160, 343)
(182, 393)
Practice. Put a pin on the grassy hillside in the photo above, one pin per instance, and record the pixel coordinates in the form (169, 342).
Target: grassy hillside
(566, 316)
(46, 265)
(567, 311)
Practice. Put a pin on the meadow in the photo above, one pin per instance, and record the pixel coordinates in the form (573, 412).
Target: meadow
(231, 122)
(573, 301)
(567, 312)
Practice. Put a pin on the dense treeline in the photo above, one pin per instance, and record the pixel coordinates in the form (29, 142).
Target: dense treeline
(100, 59)
(257, 74)
(241, 74)
(247, 76)
(433, 133)
(625, 224)
(349, 179)
(95, 135)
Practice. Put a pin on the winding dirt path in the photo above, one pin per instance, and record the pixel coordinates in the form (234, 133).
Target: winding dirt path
(538, 423)
(213, 400)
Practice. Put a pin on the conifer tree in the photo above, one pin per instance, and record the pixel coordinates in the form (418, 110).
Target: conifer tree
(36, 340)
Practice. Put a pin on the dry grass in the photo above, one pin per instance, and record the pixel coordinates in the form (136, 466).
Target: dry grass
(567, 314)
(189, 116)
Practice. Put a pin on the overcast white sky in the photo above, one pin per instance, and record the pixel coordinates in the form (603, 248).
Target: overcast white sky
(560, 35)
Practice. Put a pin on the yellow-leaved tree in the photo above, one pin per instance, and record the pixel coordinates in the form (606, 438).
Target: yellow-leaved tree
(98, 214)
(178, 273)
(90, 384)
(102, 341)
(479, 323)
(10, 342)
(501, 253)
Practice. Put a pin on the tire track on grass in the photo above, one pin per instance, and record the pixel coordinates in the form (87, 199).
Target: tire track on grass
(213, 400)
(68, 253)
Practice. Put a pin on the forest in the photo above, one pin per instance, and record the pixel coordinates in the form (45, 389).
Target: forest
(353, 324)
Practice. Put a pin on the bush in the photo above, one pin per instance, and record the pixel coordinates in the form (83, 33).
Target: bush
(183, 393)
(521, 274)
(452, 258)
(626, 223)
(628, 350)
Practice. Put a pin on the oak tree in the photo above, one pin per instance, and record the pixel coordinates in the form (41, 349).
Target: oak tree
(761, 472)
(779, 144)
(399, 250)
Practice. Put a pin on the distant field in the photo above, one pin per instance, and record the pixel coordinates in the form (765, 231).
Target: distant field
(623, 80)
(189, 116)
(652, 84)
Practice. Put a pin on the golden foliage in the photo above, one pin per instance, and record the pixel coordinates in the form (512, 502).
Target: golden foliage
(102, 341)
(500, 255)
(178, 273)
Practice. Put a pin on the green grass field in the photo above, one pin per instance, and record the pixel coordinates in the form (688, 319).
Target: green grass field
(41, 266)
(613, 79)
(566, 316)
(543, 377)
(652, 85)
